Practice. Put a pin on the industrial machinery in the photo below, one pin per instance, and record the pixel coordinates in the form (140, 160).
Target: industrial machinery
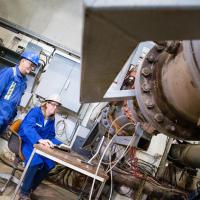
(165, 94)
(167, 89)
(135, 110)
(167, 81)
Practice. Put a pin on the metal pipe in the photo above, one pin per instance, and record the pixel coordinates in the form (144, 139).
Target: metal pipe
(187, 155)
(134, 182)
(168, 89)
(178, 85)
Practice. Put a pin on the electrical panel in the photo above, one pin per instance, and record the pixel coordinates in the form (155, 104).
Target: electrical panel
(62, 77)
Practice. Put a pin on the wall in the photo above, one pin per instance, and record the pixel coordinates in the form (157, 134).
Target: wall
(58, 20)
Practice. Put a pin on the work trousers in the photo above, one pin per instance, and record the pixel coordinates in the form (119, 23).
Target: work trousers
(34, 176)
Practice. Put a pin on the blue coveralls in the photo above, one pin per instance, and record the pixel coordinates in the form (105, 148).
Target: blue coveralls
(31, 131)
(12, 87)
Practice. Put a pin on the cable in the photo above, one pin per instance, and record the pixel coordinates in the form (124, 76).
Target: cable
(153, 182)
(115, 124)
(115, 152)
(91, 191)
(46, 57)
(93, 110)
(60, 131)
(111, 180)
(123, 154)
(120, 116)
(43, 63)
(150, 179)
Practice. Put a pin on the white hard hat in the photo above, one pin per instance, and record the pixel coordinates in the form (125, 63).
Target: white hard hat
(54, 97)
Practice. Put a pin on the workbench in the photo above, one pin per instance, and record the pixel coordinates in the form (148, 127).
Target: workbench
(68, 159)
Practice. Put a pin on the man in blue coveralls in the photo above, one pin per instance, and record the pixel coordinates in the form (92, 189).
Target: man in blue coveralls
(12, 87)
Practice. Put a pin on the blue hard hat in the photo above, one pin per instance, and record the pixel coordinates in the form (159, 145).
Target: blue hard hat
(31, 56)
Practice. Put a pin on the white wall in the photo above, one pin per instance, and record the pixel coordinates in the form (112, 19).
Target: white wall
(58, 20)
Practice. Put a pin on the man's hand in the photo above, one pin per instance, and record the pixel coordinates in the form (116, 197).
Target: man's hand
(46, 143)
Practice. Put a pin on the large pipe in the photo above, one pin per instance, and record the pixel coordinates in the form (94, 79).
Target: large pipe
(179, 86)
(148, 188)
(187, 155)
(168, 89)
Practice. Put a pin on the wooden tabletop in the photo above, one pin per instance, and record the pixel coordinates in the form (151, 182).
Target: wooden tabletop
(71, 158)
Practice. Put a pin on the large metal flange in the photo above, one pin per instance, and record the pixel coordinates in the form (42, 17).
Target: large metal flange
(152, 102)
(105, 120)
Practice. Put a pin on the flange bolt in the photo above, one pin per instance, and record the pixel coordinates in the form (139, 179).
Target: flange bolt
(159, 117)
(149, 103)
(151, 58)
(146, 87)
(146, 71)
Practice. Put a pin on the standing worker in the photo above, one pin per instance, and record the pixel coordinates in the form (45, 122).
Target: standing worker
(12, 87)
(38, 127)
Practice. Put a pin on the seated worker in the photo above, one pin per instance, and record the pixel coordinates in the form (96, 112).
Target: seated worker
(38, 127)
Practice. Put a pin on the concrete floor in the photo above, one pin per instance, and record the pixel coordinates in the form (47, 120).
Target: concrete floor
(46, 191)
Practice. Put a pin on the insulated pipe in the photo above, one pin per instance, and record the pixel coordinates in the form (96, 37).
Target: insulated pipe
(187, 155)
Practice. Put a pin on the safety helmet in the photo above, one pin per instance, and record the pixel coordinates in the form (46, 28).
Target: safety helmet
(54, 97)
(31, 56)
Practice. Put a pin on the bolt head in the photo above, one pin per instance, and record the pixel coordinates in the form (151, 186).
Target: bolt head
(146, 71)
(146, 87)
(149, 103)
(151, 58)
(105, 123)
(159, 117)
(160, 47)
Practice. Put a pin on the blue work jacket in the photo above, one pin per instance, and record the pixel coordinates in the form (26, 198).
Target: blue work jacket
(32, 130)
(12, 87)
